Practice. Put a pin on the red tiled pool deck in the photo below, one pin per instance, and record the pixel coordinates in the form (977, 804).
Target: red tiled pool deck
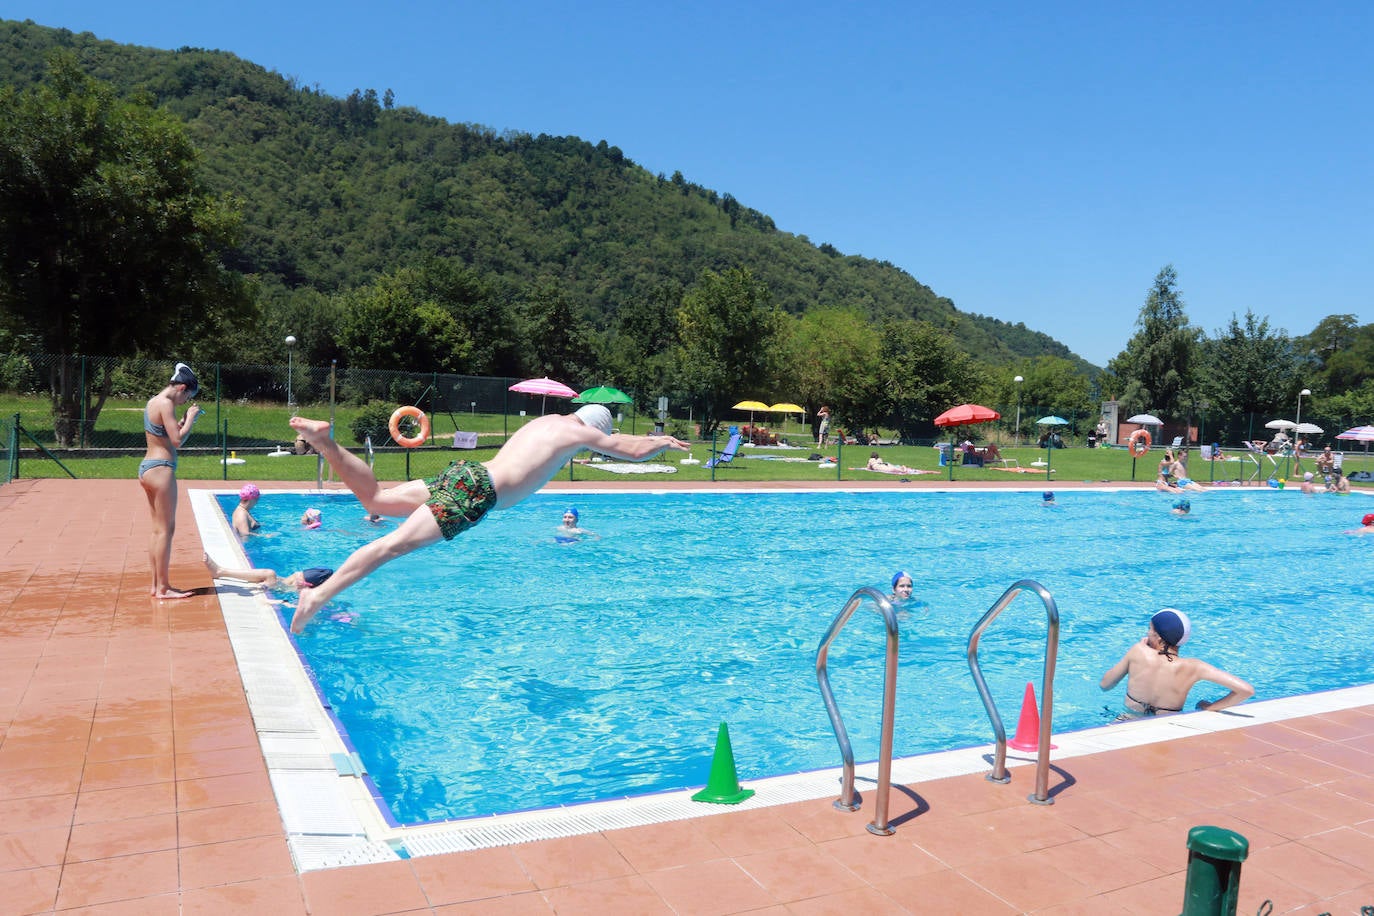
(131, 781)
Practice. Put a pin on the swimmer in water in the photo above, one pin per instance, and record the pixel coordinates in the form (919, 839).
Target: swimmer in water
(311, 519)
(1366, 525)
(569, 532)
(305, 578)
(901, 587)
(1158, 678)
(242, 520)
(1182, 507)
(1047, 498)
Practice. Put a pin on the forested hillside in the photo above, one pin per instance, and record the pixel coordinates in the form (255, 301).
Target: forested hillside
(337, 193)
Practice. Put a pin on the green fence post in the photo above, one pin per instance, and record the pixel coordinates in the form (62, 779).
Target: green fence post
(224, 451)
(219, 396)
(14, 450)
(1212, 887)
(81, 437)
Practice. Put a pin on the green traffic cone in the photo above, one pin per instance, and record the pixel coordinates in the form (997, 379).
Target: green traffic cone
(722, 787)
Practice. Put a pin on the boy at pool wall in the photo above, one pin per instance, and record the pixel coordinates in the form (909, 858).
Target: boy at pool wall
(303, 579)
(1159, 679)
(458, 497)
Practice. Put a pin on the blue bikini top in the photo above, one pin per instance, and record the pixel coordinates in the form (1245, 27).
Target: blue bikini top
(154, 428)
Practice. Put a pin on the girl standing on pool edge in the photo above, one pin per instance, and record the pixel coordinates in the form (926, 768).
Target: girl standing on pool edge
(157, 472)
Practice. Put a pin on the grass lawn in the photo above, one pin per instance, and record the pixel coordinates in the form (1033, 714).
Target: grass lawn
(255, 431)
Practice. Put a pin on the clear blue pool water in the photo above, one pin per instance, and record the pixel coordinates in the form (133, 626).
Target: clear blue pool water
(504, 671)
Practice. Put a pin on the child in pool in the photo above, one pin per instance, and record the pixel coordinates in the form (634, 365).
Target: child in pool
(305, 578)
(569, 532)
(242, 520)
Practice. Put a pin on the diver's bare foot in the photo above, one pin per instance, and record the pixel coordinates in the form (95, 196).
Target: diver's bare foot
(170, 593)
(216, 571)
(316, 432)
(305, 609)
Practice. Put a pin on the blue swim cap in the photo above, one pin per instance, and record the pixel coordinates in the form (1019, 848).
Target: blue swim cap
(571, 511)
(1047, 496)
(899, 576)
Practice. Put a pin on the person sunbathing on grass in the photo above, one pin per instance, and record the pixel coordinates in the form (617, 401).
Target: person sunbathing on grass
(876, 463)
(458, 497)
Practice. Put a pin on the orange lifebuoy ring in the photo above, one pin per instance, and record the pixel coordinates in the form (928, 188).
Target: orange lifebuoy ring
(415, 414)
(1139, 444)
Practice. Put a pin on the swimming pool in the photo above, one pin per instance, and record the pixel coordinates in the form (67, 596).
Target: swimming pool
(531, 674)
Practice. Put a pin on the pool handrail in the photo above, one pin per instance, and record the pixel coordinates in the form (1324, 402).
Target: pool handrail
(1042, 767)
(848, 800)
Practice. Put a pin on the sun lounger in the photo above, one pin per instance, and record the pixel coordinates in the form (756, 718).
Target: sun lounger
(728, 455)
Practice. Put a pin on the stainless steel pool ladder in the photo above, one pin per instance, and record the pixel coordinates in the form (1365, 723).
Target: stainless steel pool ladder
(849, 800)
(1042, 767)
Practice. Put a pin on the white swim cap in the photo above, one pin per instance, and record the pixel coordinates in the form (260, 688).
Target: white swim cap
(596, 416)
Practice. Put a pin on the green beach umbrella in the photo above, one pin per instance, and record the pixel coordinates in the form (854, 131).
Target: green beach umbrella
(603, 394)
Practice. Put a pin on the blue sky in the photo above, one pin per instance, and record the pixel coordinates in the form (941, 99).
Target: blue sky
(1033, 162)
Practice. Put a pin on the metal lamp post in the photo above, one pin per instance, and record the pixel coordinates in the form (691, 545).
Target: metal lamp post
(1297, 421)
(290, 348)
(1018, 380)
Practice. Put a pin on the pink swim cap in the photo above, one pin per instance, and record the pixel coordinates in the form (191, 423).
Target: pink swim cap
(249, 491)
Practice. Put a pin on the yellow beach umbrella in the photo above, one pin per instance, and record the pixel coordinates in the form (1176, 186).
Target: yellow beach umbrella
(786, 408)
(751, 406)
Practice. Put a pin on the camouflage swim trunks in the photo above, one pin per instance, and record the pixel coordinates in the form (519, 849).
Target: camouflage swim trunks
(459, 496)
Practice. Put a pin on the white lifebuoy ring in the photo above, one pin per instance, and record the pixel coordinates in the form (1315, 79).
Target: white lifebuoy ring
(394, 427)
(1137, 449)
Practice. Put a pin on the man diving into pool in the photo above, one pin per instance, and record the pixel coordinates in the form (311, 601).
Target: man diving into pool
(459, 496)
(1158, 678)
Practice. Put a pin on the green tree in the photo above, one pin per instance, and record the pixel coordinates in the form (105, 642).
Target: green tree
(924, 373)
(727, 341)
(833, 358)
(1250, 369)
(555, 342)
(1341, 352)
(1055, 386)
(1156, 369)
(109, 240)
(639, 353)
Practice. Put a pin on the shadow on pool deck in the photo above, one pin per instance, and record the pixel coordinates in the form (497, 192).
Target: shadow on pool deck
(131, 781)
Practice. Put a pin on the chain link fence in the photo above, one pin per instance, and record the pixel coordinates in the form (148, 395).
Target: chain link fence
(82, 416)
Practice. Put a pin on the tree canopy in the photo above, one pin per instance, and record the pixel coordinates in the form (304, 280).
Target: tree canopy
(110, 241)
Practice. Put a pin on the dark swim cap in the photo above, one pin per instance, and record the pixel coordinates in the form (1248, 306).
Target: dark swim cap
(899, 576)
(1173, 626)
(315, 575)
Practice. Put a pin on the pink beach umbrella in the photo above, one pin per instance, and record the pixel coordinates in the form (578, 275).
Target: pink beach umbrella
(1363, 434)
(544, 387)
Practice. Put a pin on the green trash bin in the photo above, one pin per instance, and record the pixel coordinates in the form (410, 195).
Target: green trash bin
(1213, 883)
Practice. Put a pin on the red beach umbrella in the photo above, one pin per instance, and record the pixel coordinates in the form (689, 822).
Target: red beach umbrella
(966, 415)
